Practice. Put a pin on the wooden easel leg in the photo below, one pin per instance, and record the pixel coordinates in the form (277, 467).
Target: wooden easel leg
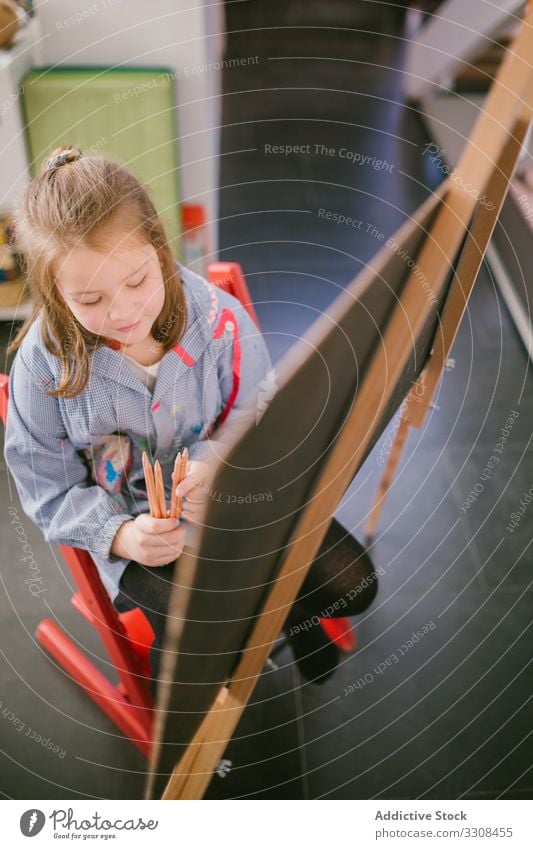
(193, 772)
(386, 479)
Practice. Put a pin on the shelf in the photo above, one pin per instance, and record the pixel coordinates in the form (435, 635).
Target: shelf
(24, 40)
(17, 313)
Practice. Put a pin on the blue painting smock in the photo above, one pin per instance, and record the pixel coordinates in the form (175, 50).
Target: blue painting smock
(77, 462)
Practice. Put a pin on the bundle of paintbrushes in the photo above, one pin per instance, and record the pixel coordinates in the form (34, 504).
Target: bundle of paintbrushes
(156, 491)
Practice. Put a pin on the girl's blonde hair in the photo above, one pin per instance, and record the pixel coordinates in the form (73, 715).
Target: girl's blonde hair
(78, 200)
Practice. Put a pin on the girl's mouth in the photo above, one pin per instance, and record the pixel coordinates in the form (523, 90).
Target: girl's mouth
(128, 327)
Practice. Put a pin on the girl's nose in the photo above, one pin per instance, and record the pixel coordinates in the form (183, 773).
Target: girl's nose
(120, 314)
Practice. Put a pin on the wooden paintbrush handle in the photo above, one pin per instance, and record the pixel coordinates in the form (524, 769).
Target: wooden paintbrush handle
(150, 486)
(182, 475)
(178, 474)
(175, 482)
(160, 490)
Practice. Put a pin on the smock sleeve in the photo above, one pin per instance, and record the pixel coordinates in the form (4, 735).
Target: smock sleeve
(51, 478)
(245, 374)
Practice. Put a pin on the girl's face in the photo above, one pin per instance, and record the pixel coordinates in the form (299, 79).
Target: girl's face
(117, 294)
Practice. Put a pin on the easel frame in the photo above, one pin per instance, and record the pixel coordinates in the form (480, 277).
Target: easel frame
(420, 398)
(488, 161)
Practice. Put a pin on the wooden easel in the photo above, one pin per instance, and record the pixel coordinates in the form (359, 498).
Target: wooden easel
(486, 165)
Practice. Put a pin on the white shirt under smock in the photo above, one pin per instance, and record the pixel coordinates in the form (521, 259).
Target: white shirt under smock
(147, 374)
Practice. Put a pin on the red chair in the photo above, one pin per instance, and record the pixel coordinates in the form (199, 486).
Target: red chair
(128, 636)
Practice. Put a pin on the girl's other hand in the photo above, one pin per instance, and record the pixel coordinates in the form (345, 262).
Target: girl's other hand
(152, 542)
(193, 490)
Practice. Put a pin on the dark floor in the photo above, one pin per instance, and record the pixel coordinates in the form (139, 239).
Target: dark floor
(452, 718)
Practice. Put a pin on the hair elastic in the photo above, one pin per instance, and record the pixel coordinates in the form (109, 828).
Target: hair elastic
(69, 155)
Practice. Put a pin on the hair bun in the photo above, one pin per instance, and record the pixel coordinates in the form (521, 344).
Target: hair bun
(62, 155)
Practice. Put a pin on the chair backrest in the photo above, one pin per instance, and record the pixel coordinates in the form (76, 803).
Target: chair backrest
(4, 396)
(229, 277)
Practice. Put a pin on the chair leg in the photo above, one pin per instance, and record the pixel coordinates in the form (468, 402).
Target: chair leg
(340, 632)
(132, 721)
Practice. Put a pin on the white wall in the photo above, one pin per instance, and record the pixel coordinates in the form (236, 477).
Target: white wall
(15, 62)
(184, 35)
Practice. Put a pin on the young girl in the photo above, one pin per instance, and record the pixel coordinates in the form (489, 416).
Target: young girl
(128, 351)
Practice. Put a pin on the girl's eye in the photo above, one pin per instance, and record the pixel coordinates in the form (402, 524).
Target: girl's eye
(130, 286)
(136, 285)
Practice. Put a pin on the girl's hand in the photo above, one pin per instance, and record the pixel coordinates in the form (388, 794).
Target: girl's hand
(193, 490)
(152, 542)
